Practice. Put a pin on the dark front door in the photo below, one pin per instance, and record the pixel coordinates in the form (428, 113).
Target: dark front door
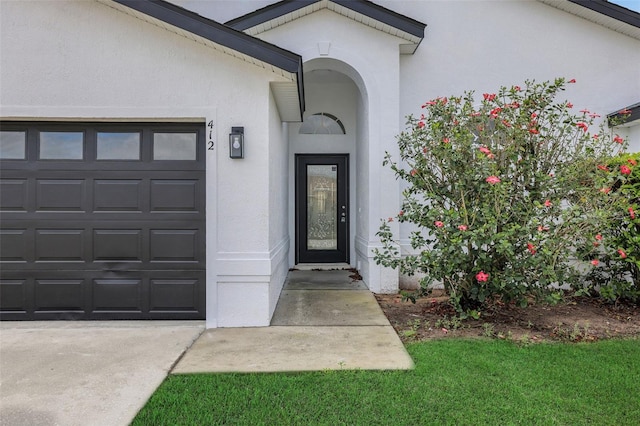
(322, 211)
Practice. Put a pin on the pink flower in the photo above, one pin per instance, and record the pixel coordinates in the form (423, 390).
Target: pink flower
(618, 139)
(485, 150)
(622, 253)
(517, 88)
(462, 227)
(534, 131)
(429, 103)
(494, 112)
(599, 237)
(595, 262)
(489, 96)
(542, 228)
(625, 170)
(493, 180)
(506, 123)
(625, 111)
(583, 126)
(569, 105)
(531, 248)
(424, 150)
(482, 276)
(547, 203)
(585, 111)
(632, 213)
(420, 124)
(573, 80)
(596, 136)
(632, 162)
(390, 219)
(594, 115)
(605, 190)
(413, 172)
(445, 140)
(603, 167)
(475, 114)
(401, 213)
(438, 224)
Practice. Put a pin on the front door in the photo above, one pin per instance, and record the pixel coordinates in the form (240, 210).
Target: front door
(322, 212)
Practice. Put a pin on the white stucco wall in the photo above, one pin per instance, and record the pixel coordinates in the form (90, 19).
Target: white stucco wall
(482, 45)
(279, 244)
(82, 60)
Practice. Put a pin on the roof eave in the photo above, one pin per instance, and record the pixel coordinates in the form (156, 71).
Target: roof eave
(625, 116)
(219, 34)
(405, 27)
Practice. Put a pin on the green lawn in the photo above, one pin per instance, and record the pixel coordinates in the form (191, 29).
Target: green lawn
(462, 382)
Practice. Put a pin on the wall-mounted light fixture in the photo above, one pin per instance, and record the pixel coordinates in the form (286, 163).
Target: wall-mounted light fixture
(236, 142)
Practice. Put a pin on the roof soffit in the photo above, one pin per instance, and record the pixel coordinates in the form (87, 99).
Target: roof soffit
(601, 12)
(364, 12)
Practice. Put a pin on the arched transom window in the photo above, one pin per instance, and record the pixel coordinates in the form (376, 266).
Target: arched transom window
(322, 123)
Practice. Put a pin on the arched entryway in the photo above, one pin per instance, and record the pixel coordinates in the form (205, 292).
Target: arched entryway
(328, 160)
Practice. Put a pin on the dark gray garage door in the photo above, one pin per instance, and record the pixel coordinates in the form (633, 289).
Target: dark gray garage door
(102, 221)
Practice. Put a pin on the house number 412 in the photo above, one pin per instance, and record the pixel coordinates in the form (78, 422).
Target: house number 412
(210, 142)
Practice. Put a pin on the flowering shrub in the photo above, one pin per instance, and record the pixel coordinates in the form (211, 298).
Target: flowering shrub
(500, 192)
(618, 245)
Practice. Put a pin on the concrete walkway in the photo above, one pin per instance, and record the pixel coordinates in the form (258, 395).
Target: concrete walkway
(324, 320)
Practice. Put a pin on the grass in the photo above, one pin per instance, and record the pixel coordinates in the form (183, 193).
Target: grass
(461, 382)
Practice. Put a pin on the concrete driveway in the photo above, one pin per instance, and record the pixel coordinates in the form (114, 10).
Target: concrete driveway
(85, 373)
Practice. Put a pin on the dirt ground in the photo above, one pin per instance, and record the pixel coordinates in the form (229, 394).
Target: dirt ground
(575, 319)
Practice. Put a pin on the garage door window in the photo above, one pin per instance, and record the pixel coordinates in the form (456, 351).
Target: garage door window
(118, 146)
(12, 145)
(174, 146)
(61, 145)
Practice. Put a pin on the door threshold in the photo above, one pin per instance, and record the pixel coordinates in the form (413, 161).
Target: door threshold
(322, 266)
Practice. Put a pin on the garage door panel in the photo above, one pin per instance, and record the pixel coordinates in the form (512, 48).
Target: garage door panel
(173, 245)
(13, 296)
(103, 232)
(13, 195)
(61, 195)
(117, 244)
(173, 295)
(117, 195)
(14, 245)
(60, 245)
(174, 195)
(59, 295)
(117, 295)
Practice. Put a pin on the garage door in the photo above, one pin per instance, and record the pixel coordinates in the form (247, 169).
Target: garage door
(102, 221)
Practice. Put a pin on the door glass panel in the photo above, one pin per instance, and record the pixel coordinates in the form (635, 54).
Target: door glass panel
(61, 145)
(174, 146)
(118, 146)
(12, 145)
(322, 203)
